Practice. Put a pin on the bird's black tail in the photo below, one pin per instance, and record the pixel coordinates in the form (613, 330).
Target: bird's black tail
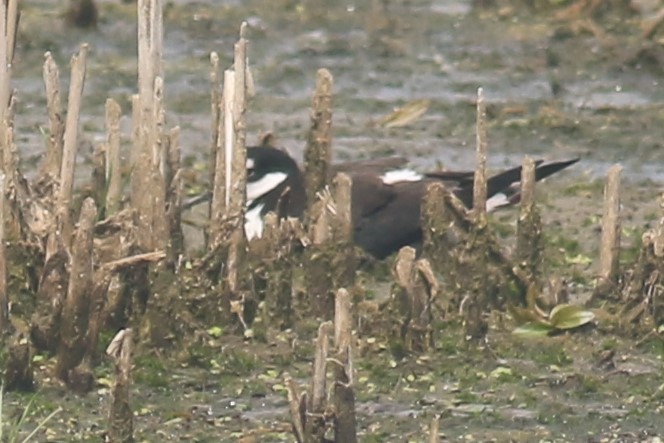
(507, 183)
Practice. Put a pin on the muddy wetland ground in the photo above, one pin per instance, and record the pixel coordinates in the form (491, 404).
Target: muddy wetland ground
(561, 79)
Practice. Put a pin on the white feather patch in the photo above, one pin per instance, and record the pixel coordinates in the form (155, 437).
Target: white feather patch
(497, 201)
(253, 222)
(400, 175)
(250, 163)
(264, 185)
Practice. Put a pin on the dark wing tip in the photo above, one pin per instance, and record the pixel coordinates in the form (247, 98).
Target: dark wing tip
(546, 169)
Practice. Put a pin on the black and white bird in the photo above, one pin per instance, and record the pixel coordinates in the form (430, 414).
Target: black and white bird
(385, 196)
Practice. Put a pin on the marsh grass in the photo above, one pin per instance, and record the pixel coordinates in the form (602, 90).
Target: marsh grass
(11, 432)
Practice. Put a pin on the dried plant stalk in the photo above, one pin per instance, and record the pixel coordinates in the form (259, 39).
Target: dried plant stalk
(216, 207)
(438, 238)
(294, 402)
(658, 237)
(113, 164)
(275, 252)
(173, 155)
(434, 429)
(342, 198)
(18, 370)
(345, 260)
(148, 189)
(8, 147)
(229, 133)
(5, 72)
(402, 273)
(116, 265)
(98, 182)
(76, 310)
(104, 306)
(215, 110)
(70, 143)
(4, 299)
(315, 426)
(610, 245)
(9, 152)
(320, 219)
(218, 203)
(160, 227)
(331, 264)
(458, 213)
(121, 420)
(644, 286)
(150, 44)
(8, 26)
(435, 225)
(53, 158)
(333, 259)
(11, 19)
(51, 294)
(345, 423)
(527, 183)
(416, 289)
(159, 154)
(223, 162)
(342, 320)
(135, 131)
(13, 16)
(529, 243)
(424, 292)
(318, 154)
(6, 142)
(8, 22)
(479, 183)
(238, 192)
(317, 400)
(174, 193)
(478, 248)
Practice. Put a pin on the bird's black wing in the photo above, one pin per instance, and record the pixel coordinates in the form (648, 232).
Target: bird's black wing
(386, 224)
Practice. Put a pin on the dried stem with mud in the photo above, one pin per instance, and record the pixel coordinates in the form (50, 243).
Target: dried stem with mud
(475, 301)
(609, 253)
(121, 417)
(415, 292)
(75, 318)
(147, 182)
(113, 172)
(312, 410)
(529, 243)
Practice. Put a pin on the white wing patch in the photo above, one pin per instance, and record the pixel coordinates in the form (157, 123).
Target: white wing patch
(400, 175)
(253, 222)
(497, 201)
(250, 163)
(264, 185)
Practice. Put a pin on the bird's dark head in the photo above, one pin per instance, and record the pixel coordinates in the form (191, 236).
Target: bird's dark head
(268, 169)
(274, 183)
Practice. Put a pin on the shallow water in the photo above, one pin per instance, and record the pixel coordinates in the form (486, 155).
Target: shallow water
(604, 109)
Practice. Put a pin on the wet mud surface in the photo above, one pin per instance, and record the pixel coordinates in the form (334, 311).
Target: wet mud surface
(555, 88)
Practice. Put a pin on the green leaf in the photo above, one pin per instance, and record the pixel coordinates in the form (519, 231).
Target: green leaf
(566, 316)
(578, 259)
(532, 329)
(215, 331)
(501, 371)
